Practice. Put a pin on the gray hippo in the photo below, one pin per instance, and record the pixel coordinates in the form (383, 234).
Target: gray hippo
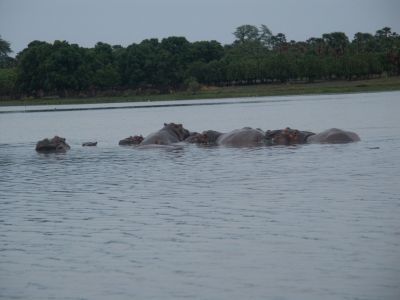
(287, 136)
(56, 144)
(333, 136)
(290, 136)
(207, 137)
(245, 137)
(131, 141)
(169, 134)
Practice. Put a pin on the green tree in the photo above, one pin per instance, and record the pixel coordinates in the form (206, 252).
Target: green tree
(175, 55)
(255, 56)
(62, 67)
(317, 46)
(5, 49)
(278, 41)
(106, 77)
(103, 66)
(199, 71)
(245, 33)
(192, 85)
(8, 80)
(32, 75)
(311, 67)
(264, 36)
(363, 43)
(206, 51)
(337, 42)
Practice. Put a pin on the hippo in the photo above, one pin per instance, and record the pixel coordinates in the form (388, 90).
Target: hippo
(56, 144)
(207, 137)
(131, 141)
(169, 134)
(287, 136)
(194, 138)
(89, 144)
(245, 137)
(333, 136)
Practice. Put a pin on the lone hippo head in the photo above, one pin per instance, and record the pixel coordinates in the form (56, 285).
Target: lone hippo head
(89, 144)
(56, 144)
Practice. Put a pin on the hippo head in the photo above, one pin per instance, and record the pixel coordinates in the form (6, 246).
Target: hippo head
(287, 136)
(196, 138)
(208, 137)
(56, 144)
(181, 132)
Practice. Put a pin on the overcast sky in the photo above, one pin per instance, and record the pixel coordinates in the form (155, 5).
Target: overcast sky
(123, 22)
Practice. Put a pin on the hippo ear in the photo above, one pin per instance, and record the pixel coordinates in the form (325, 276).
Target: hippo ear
(165, 124)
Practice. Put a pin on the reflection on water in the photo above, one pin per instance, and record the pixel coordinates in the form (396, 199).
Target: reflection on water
(110, 222)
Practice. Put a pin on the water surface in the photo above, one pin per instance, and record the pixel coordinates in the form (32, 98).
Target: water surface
(306, 222)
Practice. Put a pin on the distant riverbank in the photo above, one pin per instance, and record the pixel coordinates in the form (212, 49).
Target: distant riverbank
(326, 87)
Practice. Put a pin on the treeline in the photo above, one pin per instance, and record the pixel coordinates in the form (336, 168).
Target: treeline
(154, 66)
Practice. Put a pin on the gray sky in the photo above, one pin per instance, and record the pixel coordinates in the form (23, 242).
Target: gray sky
(123, 22)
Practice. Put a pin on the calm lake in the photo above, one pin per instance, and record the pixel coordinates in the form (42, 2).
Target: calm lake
(111, 222)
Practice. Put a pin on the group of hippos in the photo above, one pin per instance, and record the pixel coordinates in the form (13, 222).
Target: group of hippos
(173, 133)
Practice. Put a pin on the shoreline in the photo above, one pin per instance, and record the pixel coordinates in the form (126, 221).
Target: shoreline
(260, 90)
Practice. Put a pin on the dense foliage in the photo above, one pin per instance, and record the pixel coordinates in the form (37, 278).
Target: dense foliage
(154, 66)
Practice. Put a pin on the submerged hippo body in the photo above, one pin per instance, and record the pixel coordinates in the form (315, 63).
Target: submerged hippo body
(333, 136)
(245, 137)
(208, 137)
(56, 144)
(169, 134)
(194, 138)
(131, 141)
(287, 136)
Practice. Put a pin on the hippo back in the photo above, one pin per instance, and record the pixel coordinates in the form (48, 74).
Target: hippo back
(245, 137)
(169, 134)
(333, 136)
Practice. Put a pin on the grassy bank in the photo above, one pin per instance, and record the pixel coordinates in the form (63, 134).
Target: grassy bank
(327, 87)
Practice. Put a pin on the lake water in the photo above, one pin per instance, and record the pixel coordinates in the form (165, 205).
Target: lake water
(110, 222)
